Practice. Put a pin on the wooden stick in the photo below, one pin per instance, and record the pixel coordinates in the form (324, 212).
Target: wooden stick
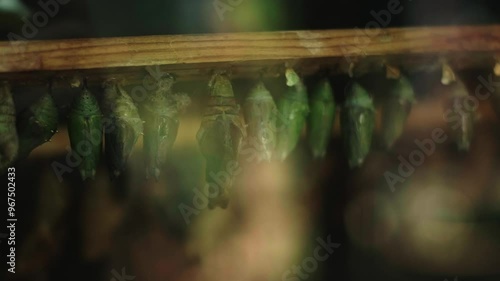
(223, 50)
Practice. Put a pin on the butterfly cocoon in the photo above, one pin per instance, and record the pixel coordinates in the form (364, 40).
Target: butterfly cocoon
(293, 109)
(261, 115)
(460, 116)
(160, 113)
(494, 90)
(122, 128)
(321, 118)
(357, 124)
(9, 141)
(37, 124)
(85, 132)
(220, 138)
(396, 108)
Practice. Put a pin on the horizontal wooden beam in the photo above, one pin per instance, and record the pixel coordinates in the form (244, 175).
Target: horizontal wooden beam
(220, 49)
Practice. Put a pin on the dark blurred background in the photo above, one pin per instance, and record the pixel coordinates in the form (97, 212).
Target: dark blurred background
(96, 18)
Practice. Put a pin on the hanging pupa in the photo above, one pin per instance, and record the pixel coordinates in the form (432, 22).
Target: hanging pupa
(357, 123)
(160, 113)
(460, 116)
(293, 110)
(492, 87)
(220, 138)
(37, 124)
(261, 115)
(85, 132)
(9, 141)
(321, 118)
(396, 108)
(122, 127)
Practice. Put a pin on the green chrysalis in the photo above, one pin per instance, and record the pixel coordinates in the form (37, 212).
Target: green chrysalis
(358, 123)
(85, 132)
(395, 110)
(321, 118)
(293, 110)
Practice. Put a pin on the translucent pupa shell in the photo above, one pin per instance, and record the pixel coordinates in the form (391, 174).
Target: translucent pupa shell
(220, 138)
(160, 113)
(123, 126)
(9, 141)
(462, 117)
(37, 124)
(261, 115)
